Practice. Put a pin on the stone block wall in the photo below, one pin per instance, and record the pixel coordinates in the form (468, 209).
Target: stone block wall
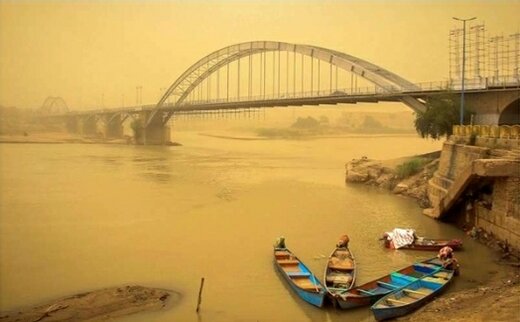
(500, 214)
(454, 159)
(503, 219)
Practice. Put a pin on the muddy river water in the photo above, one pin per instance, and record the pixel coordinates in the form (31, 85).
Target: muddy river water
(78, 217)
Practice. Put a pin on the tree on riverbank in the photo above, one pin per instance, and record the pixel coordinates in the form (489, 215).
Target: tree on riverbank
(441, 114)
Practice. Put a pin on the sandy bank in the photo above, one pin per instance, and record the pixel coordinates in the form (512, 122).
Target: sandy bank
(60, 138)
(56, 138)
(97, 305)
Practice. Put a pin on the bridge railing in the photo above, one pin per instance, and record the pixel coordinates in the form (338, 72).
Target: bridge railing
(469, 84)
(360, 91)
(507, 81)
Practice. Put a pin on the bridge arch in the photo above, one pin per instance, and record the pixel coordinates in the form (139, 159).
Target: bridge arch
(54, 105)
(511, 114)
(385, 80)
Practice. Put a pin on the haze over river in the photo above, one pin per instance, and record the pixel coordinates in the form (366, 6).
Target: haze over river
(75, 218)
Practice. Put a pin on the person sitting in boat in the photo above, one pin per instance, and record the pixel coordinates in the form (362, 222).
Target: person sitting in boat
(343, 242)
(448, 260)
(280, 242)
(444, 252)
(451, 263)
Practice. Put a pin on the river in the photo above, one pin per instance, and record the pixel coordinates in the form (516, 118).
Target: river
(76, 217)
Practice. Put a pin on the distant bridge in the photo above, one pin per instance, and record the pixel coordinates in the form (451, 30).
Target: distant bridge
(267, 74)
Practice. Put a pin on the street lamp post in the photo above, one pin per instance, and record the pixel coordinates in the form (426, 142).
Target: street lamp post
(463, 65)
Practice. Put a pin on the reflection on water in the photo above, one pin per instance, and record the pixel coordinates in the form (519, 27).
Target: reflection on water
(80, 217)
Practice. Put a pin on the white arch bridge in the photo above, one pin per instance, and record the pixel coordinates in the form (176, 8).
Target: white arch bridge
(265, 74)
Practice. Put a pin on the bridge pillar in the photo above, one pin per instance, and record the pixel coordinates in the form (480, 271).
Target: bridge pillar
(71, 124)
(88, 126)
(488, 106)
(152, 132)
(113, 126)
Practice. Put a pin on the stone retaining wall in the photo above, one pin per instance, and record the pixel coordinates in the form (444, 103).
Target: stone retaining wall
(496, 211)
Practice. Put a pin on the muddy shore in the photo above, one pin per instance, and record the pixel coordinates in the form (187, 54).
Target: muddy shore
(496, 300)
(58, 138)
(62, 137)
(98, 305)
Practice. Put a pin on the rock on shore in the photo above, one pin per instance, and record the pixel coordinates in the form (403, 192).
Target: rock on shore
(96, 305)
(383, 174)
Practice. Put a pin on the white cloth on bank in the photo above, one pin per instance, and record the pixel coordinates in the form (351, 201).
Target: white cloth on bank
(401, 237)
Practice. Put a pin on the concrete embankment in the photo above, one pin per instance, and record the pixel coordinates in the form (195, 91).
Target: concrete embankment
(97, 305)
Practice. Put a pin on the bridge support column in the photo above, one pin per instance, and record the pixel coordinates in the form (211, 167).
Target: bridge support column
(488, 106)
(113, 127)
(152, 132)
(72, 124)
(88, 126)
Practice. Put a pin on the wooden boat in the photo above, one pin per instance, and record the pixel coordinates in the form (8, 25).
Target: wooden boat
(340, 272)
(422, 243)
(412, 296)
(300, 278)
(372, 291)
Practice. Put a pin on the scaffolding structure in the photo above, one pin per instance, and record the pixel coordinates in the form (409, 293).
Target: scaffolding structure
(496, 58)
(514, 55)
(475, 52)
(455, 53)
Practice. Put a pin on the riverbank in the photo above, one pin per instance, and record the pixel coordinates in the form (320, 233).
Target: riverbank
(407, 176)
(99, 305)
(496, 300)
(57, 138)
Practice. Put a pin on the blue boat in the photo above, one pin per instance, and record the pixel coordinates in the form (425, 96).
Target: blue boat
(411, 297)
(372, 291)
(299, 277)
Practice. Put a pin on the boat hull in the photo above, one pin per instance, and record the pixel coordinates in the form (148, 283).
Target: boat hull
(340, 273)
(429, 244)
(358, 296)
(383, 311)
(313, 292)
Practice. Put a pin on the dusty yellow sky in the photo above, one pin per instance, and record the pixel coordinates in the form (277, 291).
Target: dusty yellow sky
(85, 50)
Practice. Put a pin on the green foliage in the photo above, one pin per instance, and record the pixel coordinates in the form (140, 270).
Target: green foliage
(441, 114)
(371, 123)
(409, 168)
(306, 123)
(324, 120)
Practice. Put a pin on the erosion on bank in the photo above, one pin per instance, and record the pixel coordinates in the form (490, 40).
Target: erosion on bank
(405, 176)
(96, 305)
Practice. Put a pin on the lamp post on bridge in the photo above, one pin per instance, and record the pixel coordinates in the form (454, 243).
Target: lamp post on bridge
(463, 65)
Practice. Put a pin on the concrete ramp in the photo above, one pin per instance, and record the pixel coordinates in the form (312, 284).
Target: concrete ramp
(477, 169)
